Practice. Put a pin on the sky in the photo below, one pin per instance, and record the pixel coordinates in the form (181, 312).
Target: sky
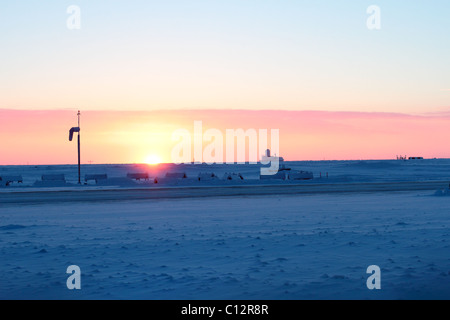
(41, 137)
(147, 58)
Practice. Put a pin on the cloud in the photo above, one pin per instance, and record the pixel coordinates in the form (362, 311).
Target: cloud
(41, 137)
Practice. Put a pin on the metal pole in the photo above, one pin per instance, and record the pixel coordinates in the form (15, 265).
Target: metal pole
(79, 158)
(79, 170)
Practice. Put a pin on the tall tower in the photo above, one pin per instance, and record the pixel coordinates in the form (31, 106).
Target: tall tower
(72, 130)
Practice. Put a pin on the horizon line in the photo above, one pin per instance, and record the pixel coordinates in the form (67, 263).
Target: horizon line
(204, 163)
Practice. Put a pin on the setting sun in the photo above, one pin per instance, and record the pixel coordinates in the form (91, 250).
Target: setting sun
(153, 159)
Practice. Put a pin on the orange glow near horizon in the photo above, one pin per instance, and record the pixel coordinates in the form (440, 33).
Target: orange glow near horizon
(41, 137)
(153, 159)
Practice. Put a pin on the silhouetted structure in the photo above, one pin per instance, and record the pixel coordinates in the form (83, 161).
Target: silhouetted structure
(71, 132)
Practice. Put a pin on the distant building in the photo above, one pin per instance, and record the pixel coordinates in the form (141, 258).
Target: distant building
(267, 157)
(415, 158)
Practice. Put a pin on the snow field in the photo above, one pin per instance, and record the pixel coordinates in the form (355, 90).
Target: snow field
(271, 247)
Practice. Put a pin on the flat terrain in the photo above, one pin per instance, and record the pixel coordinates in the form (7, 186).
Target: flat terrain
(282, 240)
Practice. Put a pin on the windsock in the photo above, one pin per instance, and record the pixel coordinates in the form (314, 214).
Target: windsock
(74, 129)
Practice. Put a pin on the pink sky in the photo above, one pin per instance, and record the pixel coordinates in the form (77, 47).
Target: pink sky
(41, 137)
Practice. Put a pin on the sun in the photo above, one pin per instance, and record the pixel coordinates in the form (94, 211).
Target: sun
(153, 159)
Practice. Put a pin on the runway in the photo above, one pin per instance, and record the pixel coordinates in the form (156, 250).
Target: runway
(149, 193)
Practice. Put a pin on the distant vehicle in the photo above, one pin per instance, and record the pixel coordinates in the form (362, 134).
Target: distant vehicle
(301, 175)
(415, 158)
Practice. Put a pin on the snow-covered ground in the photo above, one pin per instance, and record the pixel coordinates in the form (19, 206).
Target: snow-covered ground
(215, 246)
(338, 171)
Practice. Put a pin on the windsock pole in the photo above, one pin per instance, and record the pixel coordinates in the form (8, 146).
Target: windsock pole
(71, 132)
(79, 157)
